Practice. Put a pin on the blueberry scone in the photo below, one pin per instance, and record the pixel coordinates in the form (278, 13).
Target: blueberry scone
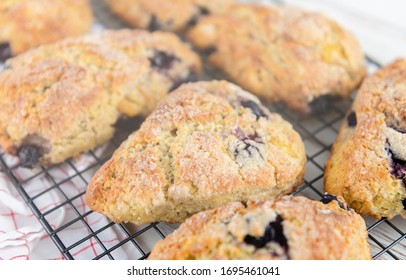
(206, 144)
(283, 54)
(168, 15)
(26, 24)
(64, 98)
(294, 228)
(367, 165)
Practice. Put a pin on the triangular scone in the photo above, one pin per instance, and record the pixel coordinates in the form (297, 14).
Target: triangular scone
(283, 54)
(206, 144)
(62, 99)
(290, 227)
(367, 165)
(167, 15)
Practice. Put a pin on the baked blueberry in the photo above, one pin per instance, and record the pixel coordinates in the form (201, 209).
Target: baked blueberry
(254, 107)
(202, 11)
(273, 233)
(153, 23)
(398, 166)
(327, 198)
(191, 77)
(5, 51)
(29, 155)
(352, 119)
(209, 50)
(162, 61)
(249, 143)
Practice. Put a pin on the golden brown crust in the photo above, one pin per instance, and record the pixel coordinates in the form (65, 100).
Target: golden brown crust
(367, 165)
(206, 144)
(168, 15)
(282, 53)
(123, 73)
(55, 107)
(286, 228)
(26, 24)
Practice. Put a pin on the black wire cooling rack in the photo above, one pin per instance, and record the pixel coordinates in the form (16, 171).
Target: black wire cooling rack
(387, 238)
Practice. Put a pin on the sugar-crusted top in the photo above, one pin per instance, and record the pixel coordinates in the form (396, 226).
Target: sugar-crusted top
(286, 228)
(69, 94)
(368, 162)
(26, 24)
(168, 15)
(282, 53)
(206, 143)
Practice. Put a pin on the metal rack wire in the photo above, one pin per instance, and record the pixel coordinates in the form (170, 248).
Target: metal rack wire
(387, 238)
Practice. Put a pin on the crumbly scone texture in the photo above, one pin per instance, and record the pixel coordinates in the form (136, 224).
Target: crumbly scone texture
(283, 54)
(69, 94)
(168, 15)
(367, 165)
(25, 24)
(206, 144)
(294, 228)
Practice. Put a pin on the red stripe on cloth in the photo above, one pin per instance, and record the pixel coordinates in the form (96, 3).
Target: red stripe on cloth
(12, 214)
(20, 256)
(92, 244)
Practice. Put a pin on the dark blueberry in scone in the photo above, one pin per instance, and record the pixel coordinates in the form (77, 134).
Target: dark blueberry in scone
(250, 149)
(249, 144)
(191, 77)
(5, 51)
(273, 233)
(244, 137)
(327, 198)
(404, 203)
(29, 155)
(398, 167)
(162, 61)
(352, 119)
(153, 23)
(209, 50)
(254, 107)
(322, 103)
(202, 11)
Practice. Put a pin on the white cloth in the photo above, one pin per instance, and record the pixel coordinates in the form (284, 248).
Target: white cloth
(21, 234)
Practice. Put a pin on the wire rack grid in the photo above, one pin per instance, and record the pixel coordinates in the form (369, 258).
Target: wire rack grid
(68, 181)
